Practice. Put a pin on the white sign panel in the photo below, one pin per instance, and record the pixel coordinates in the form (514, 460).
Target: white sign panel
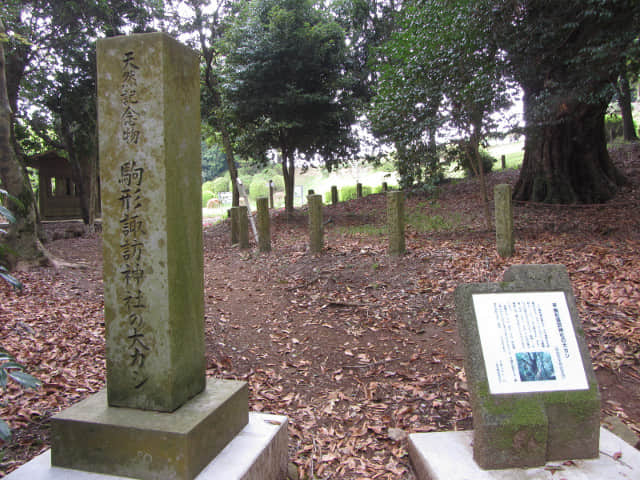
(528, 342)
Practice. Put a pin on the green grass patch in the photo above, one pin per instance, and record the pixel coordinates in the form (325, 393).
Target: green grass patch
(366, 230)
(424, 222)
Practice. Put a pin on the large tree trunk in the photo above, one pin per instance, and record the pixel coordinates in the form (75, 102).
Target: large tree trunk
(566, 159)
(22, 237)
(624, 101)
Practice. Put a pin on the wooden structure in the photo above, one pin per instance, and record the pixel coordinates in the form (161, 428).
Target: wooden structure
(58, 194)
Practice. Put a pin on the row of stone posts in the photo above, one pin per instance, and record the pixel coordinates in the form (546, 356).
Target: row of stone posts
(395, 222)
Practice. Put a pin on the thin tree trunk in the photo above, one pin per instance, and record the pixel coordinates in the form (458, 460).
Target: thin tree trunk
(22, 238)
(624, 101)
(288, 174)
(566, 159)
(231, 163)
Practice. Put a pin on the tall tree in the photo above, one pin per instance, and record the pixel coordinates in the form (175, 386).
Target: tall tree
(50, 77)
(565, 55)
(288, 85)
(437, 71)
(204, 24)
(22, 238)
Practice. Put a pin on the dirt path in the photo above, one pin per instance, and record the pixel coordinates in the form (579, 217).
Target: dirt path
(356, 347)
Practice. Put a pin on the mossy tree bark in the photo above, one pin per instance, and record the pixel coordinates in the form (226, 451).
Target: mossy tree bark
(566, 159)
(22, 237)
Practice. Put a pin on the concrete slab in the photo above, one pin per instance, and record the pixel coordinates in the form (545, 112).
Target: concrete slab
(259, 451)
(449, 456)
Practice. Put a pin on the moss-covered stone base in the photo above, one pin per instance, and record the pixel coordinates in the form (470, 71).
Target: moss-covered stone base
(94, 437)
(527, 429)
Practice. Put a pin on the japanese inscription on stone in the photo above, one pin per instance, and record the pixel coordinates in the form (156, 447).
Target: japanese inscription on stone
(132, 226)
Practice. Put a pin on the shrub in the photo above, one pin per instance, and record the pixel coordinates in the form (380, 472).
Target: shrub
(259, 187)
(349, 192)
(613, 126)
(206, 196)
(221, 184)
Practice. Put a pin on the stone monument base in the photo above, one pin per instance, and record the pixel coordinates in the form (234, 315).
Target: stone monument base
(94, 437)
(449, 456)
(258, 452)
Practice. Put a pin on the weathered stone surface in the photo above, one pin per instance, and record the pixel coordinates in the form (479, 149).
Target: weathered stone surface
(148, 107)
(334, 195)
(395, 222)
(94, 437)
(243, 226)
(316, 230)
(527, 429)
(264, 224)
(233, 215)
(358, 190)
(504, 220)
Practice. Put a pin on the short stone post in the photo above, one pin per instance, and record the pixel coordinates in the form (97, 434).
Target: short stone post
(395, 221)
(264, 225)
(385, 187)
(315, 223)
(334, 195)
(503, 161)
(234, 214)
(243, 227)
(358, 190)
(504, 220)
(271, 189)
(311, 192)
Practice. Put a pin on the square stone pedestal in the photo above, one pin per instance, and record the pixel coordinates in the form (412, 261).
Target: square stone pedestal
(449, 456)
(94, 437)
(258, 452)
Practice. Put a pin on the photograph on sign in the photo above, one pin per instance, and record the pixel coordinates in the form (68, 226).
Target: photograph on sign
(528, 342)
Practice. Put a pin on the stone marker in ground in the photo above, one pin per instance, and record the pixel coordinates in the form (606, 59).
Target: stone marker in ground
(243, 226)
(504, 220)
(316, 230)
(159, 417)
(395, 222)
(264, 224)
(534, 395)
(334, 195)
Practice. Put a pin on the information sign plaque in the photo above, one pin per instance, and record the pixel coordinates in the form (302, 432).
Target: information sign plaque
(528, 342)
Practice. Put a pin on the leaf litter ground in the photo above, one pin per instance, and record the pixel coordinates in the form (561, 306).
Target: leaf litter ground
(357, 348)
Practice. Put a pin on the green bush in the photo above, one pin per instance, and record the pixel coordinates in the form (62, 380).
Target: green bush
(221, 184)
(259, 187)
(207, 186)
(350, 192)
(206, 196)
(613, 126)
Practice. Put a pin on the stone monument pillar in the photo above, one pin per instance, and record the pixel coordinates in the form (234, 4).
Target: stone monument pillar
(169, 421)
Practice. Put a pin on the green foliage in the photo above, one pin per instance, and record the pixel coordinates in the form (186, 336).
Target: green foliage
(460, 155)
(435, 72)
(287, 82)
(206, 196)
(613, 126)
(217, 185)
(214, 161)
(8, 215)
(350, 192)
(259, 187)
(10, 369)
